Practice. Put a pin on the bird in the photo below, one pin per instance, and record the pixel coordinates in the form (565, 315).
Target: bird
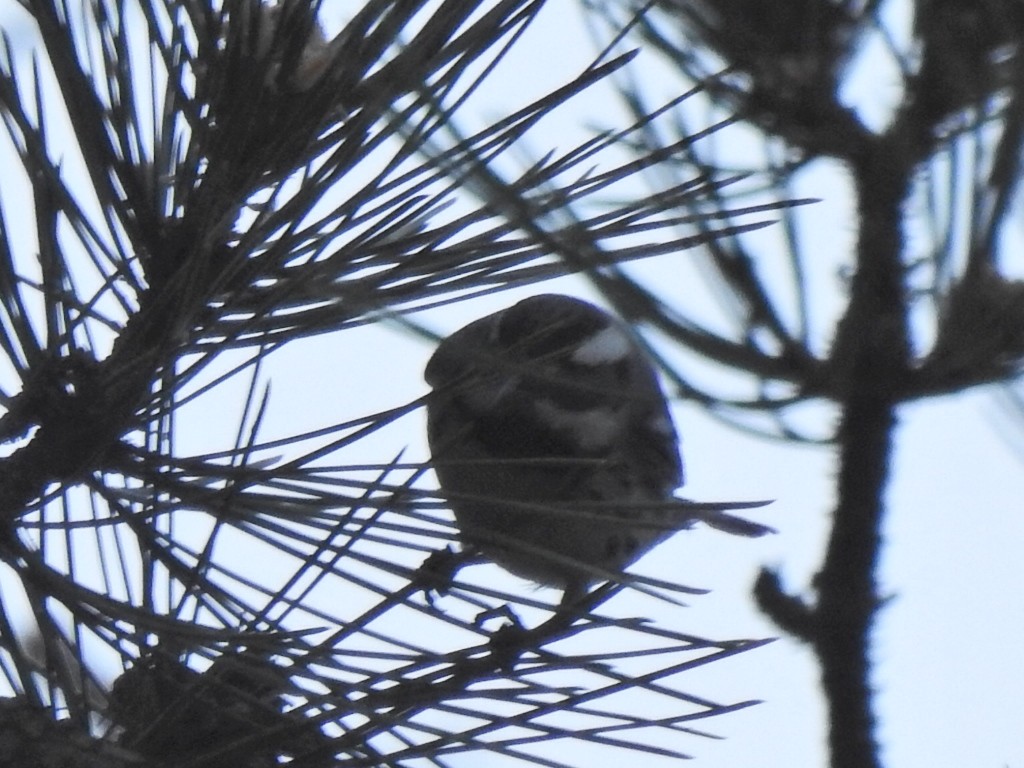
(554, 447)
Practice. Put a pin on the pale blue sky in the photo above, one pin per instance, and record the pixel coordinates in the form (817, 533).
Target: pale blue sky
(949, 666)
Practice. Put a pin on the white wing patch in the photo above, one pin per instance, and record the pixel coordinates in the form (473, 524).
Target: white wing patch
(590, 429)
(609, 345)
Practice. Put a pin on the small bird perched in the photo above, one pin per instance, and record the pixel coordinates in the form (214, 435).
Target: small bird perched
(553, 443)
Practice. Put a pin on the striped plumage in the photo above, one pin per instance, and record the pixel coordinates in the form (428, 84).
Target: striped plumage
(554, 446)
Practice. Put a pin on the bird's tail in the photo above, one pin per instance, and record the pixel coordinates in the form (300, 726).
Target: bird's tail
(716, 514)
